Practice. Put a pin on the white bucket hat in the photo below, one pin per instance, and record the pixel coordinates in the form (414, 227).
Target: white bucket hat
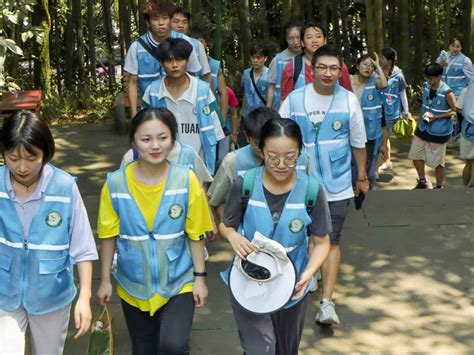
(264, 282)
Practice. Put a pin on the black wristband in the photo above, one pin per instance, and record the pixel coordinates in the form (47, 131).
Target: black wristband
(203, 274)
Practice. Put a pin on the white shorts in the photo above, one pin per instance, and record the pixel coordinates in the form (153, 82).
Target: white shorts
(466, 149)
(432, 153)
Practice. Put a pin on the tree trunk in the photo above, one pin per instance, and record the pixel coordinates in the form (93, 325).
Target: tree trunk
(195, 6)
(434, 48)
(218, 45)
(245, 36)
(135, 12)
(418, 39)
(378, 24)
(447, 23)
(286, 8)
(69, 47)
(56, 50)
(369, 21)
(336, 40)
(404, 47)
(467, 26)
(108, 34)
(77, 14)
(125, 28)
(142, 23)
(324, 14)
(91, 40)
(394, 25)
(345, 31)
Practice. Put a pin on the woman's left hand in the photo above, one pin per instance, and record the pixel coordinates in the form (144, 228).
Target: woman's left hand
(302, 284)
(82, 316)
(200, 292)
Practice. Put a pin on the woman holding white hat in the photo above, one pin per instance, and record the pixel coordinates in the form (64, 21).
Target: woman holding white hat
(277, 205)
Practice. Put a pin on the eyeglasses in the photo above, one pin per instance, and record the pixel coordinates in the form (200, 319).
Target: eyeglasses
(323, 69)
(273, 162)
(367, 66)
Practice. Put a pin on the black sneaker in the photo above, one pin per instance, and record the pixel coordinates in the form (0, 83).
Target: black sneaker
(423, 184)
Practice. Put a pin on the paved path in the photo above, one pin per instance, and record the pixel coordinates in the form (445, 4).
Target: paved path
(406, 280)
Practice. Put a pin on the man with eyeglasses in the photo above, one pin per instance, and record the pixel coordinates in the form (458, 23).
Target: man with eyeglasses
(332, 125)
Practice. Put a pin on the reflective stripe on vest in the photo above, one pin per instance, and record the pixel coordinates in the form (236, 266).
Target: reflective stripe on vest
(453, 74)
(391, 97)
(36, 272)
(158, 260)
(371, 105)
(252, 100)
(437, 106)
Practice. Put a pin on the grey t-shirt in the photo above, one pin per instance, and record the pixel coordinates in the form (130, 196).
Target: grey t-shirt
(234, 209)
(273, 67)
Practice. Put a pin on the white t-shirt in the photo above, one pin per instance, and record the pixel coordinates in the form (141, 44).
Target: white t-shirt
(184, 110)
(316, 107)
(131, 60)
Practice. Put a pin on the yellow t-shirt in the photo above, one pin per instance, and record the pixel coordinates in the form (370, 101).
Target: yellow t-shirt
(197, 223)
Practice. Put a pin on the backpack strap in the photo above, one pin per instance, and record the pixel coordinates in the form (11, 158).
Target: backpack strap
(311, 194)
(148, 49)
(247, 186)
(298, 67)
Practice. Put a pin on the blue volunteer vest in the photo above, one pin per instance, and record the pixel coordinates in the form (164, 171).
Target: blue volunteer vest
(158, 260)
(252, 100)
(437, 106)
(453, 74)
(327, 143)
(371, 105)
(37, 273)
(245, 159)
(203, 116)
(391, 97)
(281, 62)
(196, 45)
(301, 81)
(215, 66)
(291, 229)
(149, 68)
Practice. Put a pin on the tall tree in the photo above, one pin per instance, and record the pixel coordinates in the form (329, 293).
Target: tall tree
(369, 20)
(345, 31)
(404, 47)
(245, 36)
(335, 23)
(91, 40)
(378, 25)
(418, 39)
(218, 14)
(125, 28)
(141, 20)
(324, 13)
(69, 48)
(447, 23)
(434, 49)
(77, 14)
(467, 25)
(106, 5)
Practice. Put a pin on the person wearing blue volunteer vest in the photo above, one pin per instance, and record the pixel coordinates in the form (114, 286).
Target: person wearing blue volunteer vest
(254, 80)
(366, 84)
(190, 99)
(180, 19)
(155, 213)
(141, 63)
(44, 231)
(291, 47)
(465, 109)
(332, 125)
(454, 64)
(276, 207)
(393, 96)
(434, 127)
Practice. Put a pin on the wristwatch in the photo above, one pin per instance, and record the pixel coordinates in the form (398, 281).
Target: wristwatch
(203, 274)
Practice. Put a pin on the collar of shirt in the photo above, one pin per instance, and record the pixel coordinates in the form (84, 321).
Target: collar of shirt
(150, 39)
(46, 175)
(188, 95)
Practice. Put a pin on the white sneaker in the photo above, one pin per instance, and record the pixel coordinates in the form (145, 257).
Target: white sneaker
(385, 166)
(327, 314)
(314, 286)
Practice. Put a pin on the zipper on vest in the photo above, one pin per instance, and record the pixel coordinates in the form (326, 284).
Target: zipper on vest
(154, 263)
(25, 271)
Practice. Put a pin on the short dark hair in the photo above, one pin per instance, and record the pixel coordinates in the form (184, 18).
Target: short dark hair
(390, 54)
(312, 25)
(433, 69)
(259, 49)
(454, 39)
(25, 129)
(161, 114)
(182, 11)
(197, 33)
(156, 8)
(256, 118)
(177, 48)
(326, 51)
(279, 127)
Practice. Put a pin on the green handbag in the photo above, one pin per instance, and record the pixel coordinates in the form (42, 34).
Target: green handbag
(405, 128)
(101, 341)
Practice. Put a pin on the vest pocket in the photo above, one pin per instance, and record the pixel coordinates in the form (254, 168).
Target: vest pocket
(5, 275)
(54, 276)
(130, 263)
(179, 260)
(340, 161)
